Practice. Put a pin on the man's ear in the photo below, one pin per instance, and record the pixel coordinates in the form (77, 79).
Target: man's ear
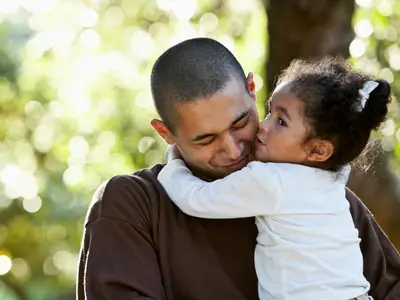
(319, 150)
(162, 130)
(251, 85)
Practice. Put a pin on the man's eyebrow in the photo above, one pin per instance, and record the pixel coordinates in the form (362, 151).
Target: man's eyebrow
(242, 116)
(202, 137)
(206, 135)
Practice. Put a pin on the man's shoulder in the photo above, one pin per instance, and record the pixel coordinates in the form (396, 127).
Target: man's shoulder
(126, 196)
(358, 209)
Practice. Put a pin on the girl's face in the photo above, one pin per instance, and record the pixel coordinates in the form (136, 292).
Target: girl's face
(282, 135)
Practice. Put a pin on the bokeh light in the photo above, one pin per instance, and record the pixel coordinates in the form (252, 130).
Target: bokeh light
(5, 264)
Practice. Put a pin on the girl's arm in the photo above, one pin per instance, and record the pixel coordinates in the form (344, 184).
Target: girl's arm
(252, 191)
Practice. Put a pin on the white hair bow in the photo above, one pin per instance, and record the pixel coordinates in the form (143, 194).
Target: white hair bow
(364, 93)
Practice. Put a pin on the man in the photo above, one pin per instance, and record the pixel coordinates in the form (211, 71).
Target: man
(138, 245)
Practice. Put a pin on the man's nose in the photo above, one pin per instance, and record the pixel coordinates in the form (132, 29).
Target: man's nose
(232, 148)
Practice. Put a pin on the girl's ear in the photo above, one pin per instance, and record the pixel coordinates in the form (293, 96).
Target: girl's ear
(319, 150)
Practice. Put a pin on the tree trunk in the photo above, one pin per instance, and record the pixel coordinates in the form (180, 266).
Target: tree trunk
(318, 28)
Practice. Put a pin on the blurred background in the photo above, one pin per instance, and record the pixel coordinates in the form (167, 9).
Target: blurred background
(75, 105)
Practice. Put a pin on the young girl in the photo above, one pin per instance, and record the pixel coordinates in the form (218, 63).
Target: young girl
(319, 120)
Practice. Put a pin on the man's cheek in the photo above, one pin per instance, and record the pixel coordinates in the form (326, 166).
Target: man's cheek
(250, 134)
(206, 156)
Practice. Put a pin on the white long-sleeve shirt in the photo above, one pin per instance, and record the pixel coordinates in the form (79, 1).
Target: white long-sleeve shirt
(307, 245)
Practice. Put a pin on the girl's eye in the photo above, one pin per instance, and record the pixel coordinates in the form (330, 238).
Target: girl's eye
(281, 122)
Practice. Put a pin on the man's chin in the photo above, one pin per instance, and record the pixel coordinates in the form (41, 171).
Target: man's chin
(236, 166)
(220, 172)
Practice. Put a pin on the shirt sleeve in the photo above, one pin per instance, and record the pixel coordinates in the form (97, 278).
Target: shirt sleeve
(118, 259)
(381, 259)
(253, 191)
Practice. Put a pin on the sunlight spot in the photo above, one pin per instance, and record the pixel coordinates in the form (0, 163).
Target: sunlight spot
(99, 154)
(25, 156)
(142, 44)
(389, 128)
(49, 268)
(387, 144)
(145, 144)
(106, 107)
(33, 107)
(228, 42)
(11, 192)
(56, 109)
(5, 264)
(8, 7)
(88, 125)
(357, 48)
(385, 7)
(364, 3)
(243, 6)
(114, 16)
(99, 4)
(185, 9)
(185, 31)
(65, 262)
(61, 36)
(37, 45)
(182, 9)
(37, 6)
(78, 146)
(380, 32)
(43, 137)
(72, 176)
(88, 17)
(144, 100)
(391, 34)
(73, 93)
(106, 139)
(258, 81)
(90, 38)
(10, 174)
(27, 186)
(387, 75)
(208, 22)
(369, 66)
(32, 205)
(363, 28)
(393, 55)
(20, 268)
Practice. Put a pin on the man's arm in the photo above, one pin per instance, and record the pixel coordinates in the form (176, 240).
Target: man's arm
(381, 260)
(118, 258)
(244, 193)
